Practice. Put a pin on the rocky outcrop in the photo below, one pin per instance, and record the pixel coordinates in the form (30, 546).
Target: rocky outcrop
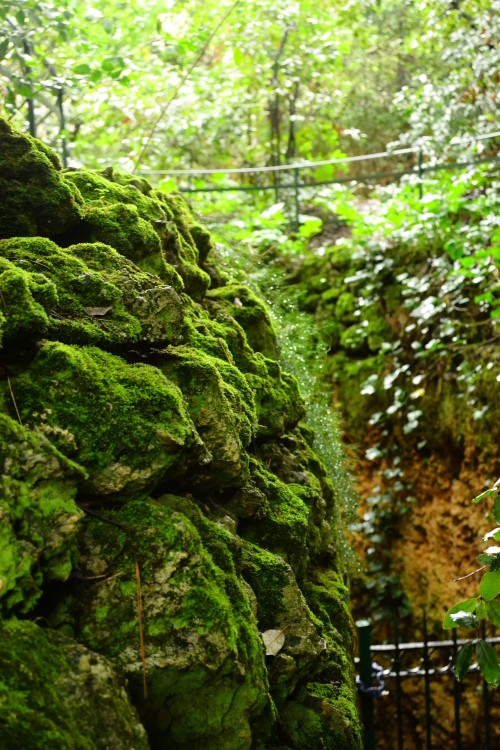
(168, 570)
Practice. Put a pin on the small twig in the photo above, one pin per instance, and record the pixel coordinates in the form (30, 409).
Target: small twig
(118, 525)
(141, 630)
(226, 351)
(14, 401)
(462, 578)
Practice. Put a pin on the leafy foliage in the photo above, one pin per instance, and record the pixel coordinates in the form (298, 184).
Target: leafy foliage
(267, 81)
(485, 607)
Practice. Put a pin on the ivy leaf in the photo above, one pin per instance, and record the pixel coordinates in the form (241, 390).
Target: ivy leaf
(489, 587)
(466, 608)
(488, 662)
(463, 661)
(481, 611)
(493, 612)
(496, 508)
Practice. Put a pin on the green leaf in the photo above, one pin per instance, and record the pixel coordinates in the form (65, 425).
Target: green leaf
(4, 46)
(493, 612)
(464, 620)
(83, 69)
(463, 661)
(466, 607)
(496, 508)
(481, 610)
(488, 662)
(489, 587)
(484, 494)
(237, 56)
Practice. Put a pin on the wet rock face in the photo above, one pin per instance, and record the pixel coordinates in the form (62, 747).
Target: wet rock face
(165, 524)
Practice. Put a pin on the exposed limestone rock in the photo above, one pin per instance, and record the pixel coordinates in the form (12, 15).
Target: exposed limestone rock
(161, 506)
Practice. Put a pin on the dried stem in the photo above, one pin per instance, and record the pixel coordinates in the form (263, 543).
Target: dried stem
(141, 630)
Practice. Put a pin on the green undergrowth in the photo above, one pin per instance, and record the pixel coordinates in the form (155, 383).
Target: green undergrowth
(388, 306)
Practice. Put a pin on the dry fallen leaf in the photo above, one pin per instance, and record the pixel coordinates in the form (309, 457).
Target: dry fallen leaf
(97, 312)
(274, 640)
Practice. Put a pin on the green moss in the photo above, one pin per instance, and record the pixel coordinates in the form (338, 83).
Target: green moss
(35, 198)
(268, 575)
(202, 648)
(285, 527)
(55, 693)
(326, 718)
(131, 221)
(38, 515)
(238, 301)
(346, 307)
(221, 406)
(86, 294)
(128, 425)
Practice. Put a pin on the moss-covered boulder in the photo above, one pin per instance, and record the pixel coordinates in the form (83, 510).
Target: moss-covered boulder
(56, 693)
(162, 508)
(203, 660)
(86, 293)
(38, 515)
(126, 424)
(31, 169)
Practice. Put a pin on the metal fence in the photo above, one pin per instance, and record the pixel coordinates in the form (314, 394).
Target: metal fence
(398, 708)
(299, 177)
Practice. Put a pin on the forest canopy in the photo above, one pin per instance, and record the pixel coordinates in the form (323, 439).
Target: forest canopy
(199, 83)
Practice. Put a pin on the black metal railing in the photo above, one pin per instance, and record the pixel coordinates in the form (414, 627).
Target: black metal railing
(398, 708)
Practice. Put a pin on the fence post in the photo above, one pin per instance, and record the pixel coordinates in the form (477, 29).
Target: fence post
(365, 674)
(296, 199)
(420, 172)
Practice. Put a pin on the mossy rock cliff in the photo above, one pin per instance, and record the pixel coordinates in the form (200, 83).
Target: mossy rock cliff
(168, 567)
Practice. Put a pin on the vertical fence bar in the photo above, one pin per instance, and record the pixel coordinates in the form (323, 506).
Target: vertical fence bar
(365, 674)
(420, 174)
(456, 696)
(399, 692)
(486, 702)
(427, 679)
(296, 199)
(62, 126)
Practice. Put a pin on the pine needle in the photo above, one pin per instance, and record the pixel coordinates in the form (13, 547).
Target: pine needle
(141, 630)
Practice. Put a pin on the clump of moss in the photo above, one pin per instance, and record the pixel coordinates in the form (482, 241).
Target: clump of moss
(205, 662)
(56, 693)
(38, 515)
(146, 227)
(221, 406)
(285, 524)
(86, 294)
(243, 305)
(323, 717)
(35, 198)
(126, 424)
